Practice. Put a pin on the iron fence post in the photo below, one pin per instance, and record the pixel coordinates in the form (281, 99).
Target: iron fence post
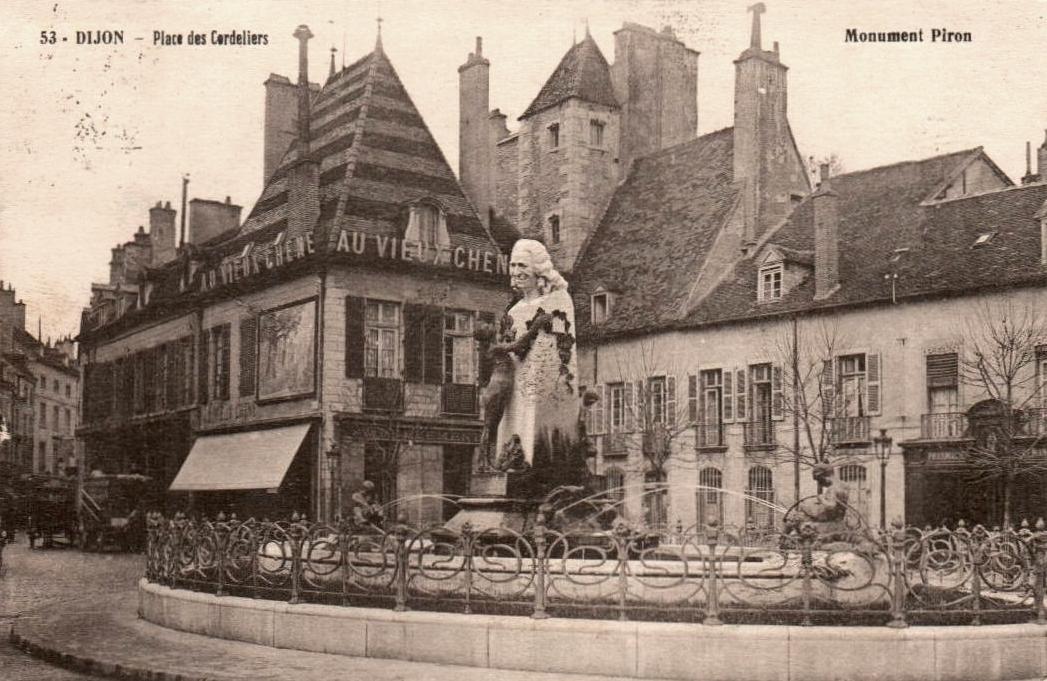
(977, 551)
(1039, 543)
(621, 539)
(401, 567)
(344, 533)
(808, 534)
(712, 608)
(296, 538)
(219, 530)
(896, 558)
(539, 564)
(467, 563)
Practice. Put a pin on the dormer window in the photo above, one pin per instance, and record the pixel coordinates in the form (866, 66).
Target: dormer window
(769, 284)
(554, 136)
(427, 224)
(554, 229)
(596, 132)
(602, 303)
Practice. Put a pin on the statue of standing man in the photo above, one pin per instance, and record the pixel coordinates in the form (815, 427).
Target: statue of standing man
(533, 397)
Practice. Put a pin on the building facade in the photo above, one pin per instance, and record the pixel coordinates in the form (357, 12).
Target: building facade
(274, 365)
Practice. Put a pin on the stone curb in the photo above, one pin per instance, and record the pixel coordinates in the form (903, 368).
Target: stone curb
(89, 665)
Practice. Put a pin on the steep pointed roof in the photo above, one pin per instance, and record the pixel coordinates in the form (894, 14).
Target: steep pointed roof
(583, 73)
(376, 156)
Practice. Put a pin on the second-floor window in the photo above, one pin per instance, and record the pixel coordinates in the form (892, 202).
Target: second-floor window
(762, 393)
(43, 415)
(854, 389)
(617, 406)
(656, 404)
(852, 385)
(459, 348)
(382, 339)
(943, 383)
(711, 397)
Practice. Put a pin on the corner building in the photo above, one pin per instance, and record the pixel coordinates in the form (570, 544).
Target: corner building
(328, 338)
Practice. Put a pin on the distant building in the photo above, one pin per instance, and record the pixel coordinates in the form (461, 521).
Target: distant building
(274, 365)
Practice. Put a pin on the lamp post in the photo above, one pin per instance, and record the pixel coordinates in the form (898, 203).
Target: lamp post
(883, 453)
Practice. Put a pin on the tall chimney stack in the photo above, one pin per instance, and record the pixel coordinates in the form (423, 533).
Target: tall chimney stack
(825, 202)
(476, 150)
(303, 190)
(303, 34)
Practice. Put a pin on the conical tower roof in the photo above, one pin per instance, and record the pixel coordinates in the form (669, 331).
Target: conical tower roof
(583, 73)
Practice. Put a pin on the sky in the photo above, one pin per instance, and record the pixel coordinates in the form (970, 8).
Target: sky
(91, 136)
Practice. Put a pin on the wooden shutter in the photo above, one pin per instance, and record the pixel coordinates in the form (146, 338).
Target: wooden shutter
(248, 354)
(174, 374)
(598, 410)
(354, 337)
(828, 386)
(485, 365)
(692, 398)
(629, 420)
(872, 383)
(740, 401)
(942, 370)
(726, 376)
(414, 345)
(670, 401)
(225, 340)
(777, 412)
(202, 361)
(433, 330)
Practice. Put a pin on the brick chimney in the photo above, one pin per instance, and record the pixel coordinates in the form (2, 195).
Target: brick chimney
(476, 149)
(162, 233)
(280, 105)
(303, 180)
(208, 219)
(825, 203)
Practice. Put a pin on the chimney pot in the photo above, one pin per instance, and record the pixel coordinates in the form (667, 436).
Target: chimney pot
(167, 205)
(158, 204)
(479, 46)
(823, 171)
(228, 199)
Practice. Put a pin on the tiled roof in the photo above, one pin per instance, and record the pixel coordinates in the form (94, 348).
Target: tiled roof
(657, 231)
(375, 154)
(583, 73)
(886, 226)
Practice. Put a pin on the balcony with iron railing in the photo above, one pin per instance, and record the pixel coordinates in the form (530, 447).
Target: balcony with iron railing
(944, 426)
(850, 430)
(383, 394)
(709, 436)
(459, 399)
(759, 435)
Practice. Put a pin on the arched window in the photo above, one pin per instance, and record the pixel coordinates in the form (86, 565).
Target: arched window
(710, 496)
(759, 511)
(655, 500)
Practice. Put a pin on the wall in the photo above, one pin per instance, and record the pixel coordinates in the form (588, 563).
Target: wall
(976, 178)
(902, 334)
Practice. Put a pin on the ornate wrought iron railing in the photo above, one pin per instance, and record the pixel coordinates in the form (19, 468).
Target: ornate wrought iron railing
(943, 426)
(710, 575)
(850, 429)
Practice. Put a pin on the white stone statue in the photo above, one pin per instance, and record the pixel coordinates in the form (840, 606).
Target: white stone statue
(534, 387)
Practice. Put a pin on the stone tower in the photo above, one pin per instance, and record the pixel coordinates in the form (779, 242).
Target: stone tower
(765, 156)
(568, 154)
(656, 81)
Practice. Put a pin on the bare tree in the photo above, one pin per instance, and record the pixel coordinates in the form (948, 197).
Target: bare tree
(1001, 353)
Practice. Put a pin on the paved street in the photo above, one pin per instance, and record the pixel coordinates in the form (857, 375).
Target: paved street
(42, 578)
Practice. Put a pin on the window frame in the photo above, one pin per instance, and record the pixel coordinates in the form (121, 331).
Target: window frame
(555, 228)
(597, 128)
(608, 304)
(616, 419)
(553, 135)
(381, 325)
(776, 286)
(451, 338)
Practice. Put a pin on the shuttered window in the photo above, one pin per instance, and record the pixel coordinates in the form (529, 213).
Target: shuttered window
(943, 370)
(692, 399)
(248, 355)
(354, 337)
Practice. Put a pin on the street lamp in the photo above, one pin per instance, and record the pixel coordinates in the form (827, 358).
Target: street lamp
(883, 453)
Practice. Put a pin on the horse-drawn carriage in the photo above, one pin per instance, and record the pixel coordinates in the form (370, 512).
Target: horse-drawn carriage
(50, 509)
(112, 511)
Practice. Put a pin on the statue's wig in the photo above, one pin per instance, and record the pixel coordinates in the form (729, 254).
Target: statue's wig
(549, 279)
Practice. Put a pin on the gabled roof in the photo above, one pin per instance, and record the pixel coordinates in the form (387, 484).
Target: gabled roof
(583, 73)
(656, 232)
(376, 156)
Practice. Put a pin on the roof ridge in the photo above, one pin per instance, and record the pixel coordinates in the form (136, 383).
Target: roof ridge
(898, 164)
(676, 147)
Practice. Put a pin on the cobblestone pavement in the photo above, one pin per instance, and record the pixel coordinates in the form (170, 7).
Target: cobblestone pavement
(83, 607)
(50, 578)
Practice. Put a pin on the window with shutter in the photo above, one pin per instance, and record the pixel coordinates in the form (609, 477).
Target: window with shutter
(414, 343)
(354, 337)
(598, 411)
(692, 398)
(874, 391)
(777, 410)
(630, 406)
(248, 355)
(434, 337)
(220, 360)
(828, 389)
(616, 420)
(943, 383)
(670, 401)
(728, 396)
(740, 401)
(655, 407)
(459, 348)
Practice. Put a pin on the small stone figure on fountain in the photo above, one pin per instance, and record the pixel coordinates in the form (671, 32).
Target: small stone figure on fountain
(366, 509)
